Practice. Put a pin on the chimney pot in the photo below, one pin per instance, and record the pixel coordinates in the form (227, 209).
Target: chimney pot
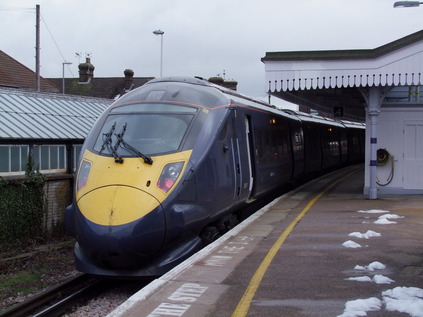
(129, 76)
(86, 71)
(230, 84)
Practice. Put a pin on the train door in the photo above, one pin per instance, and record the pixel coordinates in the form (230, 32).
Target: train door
(249, 155)
(236, 159)
(240, 143)
(297, 145)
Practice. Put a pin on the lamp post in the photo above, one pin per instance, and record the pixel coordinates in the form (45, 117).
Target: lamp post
(63, 75)
(159, 32)
(407, 4)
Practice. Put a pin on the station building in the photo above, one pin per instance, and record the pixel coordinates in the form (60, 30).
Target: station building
(49, 124)
(380, 86)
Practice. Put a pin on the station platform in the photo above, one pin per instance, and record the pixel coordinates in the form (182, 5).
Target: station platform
(323, 249)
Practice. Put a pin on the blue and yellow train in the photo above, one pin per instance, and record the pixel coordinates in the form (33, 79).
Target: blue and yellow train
(171, 165)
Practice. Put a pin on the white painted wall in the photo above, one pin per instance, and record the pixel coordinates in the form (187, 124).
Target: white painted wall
(400, 131)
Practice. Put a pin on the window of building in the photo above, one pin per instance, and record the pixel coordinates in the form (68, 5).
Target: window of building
(13, 158)
(47, 158)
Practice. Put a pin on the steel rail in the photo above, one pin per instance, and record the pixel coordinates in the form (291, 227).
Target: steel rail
(43, 298)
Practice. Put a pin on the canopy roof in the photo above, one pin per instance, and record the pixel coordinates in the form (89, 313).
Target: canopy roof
(323, 80)
(399, 63)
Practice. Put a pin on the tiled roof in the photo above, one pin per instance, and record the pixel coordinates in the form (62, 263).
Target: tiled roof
(48, 117)
(16, 75)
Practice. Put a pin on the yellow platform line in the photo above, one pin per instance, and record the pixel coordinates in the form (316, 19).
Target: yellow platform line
(244, 304)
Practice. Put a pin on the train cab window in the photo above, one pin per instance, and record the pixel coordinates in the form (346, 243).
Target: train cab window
(149, 128)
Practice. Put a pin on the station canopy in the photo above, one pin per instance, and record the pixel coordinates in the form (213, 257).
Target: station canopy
(338, 79)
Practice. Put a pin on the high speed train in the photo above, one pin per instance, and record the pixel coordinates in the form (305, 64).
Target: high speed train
(170, 166)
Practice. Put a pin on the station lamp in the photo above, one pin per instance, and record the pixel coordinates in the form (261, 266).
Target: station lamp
(160, 32)
(407, 4)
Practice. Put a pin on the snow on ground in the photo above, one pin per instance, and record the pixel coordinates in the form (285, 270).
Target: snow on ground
(377, 279)
(407, 300)
(381, 279)
(360, 307)
(371, 267)
(351, 244)
(367, 235)
(384, 219)
(374, 211)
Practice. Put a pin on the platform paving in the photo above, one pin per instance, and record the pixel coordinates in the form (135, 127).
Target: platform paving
(314, 272)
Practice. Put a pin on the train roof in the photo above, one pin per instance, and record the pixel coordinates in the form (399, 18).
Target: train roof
(305, 117)
(238, 98)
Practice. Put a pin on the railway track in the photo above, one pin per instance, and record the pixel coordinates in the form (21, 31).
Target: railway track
(57, 299)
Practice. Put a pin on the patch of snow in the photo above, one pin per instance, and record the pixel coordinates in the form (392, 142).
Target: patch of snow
(391, 216)
(367, 235)
(351, 244)
(373, 211)
(380, 279)
(384, 221)
(359, 279)
(407, 300)
(376, 266)
(377, 279)
(371, 267)
(360, 307)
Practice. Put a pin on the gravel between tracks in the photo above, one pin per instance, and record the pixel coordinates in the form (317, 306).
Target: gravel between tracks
(25, 271)
(104, 304)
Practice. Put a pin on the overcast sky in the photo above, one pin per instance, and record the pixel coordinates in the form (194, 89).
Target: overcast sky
(202, 37)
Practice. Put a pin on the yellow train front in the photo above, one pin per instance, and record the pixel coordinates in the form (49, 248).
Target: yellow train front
(124, 214)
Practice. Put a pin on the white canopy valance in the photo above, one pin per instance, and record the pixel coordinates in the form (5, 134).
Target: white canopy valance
(398, 66)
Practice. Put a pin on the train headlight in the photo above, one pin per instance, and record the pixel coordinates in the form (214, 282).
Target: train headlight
(169, 176)
(83, 173)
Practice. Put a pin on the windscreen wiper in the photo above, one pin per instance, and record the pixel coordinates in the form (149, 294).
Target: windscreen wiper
(129, 147)
(107, 143)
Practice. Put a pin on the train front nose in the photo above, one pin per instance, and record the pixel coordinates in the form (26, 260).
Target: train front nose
(124, 227)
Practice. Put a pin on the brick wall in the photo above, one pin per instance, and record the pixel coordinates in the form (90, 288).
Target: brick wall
(58, 193)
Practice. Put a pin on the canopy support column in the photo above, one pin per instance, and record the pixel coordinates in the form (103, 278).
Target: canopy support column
(374, 97)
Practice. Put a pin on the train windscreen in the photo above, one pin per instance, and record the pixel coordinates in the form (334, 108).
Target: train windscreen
(150, 129)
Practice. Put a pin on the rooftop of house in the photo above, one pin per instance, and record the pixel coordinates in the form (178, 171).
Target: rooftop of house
(16, 75)
(102, 87)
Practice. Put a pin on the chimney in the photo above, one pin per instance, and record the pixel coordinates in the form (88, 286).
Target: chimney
(86, 71)
(129, 78)
(230, 84)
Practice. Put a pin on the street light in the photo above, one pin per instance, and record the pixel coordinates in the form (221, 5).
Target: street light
(159, 32)
(63, 75)
(407, 4)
